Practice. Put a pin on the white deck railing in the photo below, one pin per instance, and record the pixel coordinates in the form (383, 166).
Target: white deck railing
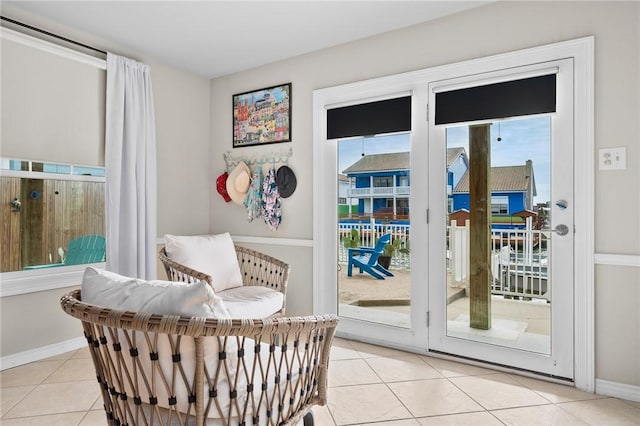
(518, 266)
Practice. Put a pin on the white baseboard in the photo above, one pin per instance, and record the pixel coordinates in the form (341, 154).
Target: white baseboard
(41, 353)
(618, 390)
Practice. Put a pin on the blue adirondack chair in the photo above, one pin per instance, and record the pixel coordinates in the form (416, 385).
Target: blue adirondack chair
(366, 258)
(81, 250)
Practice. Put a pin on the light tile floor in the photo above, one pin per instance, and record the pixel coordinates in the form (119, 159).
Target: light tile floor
(368, 385)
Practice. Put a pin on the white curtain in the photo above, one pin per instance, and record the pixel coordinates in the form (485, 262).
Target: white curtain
(130, 162)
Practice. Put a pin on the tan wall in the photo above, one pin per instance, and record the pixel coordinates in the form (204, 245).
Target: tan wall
(618, 324)
(492, 29)
(34, 320)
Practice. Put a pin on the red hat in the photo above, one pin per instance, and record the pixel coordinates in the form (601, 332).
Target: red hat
(221, 186)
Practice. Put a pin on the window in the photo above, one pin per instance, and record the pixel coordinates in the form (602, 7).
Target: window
(499, 205)
(52, 159)
(383, 181)
(48, 205)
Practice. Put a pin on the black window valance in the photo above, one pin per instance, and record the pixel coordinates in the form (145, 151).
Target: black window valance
(534, 95)
(372, 118)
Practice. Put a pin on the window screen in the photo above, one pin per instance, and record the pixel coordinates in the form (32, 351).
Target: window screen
(53, 108)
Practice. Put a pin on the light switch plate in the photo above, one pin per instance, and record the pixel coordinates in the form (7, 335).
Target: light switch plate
(612, 158)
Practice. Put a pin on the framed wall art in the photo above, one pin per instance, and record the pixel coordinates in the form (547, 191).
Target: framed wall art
(262, 116)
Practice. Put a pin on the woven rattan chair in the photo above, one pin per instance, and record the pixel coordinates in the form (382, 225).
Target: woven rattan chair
(256, 268)
(173, 370)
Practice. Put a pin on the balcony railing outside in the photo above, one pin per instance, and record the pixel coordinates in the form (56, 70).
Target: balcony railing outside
(379, 191)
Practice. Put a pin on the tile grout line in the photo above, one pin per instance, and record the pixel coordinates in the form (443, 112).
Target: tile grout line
(35, 386)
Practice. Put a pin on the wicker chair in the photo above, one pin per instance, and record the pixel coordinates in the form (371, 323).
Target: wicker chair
(174, 370)
(256, 268)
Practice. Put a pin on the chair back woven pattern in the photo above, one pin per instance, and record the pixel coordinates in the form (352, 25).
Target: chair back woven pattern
(173, 370)
(256, 268)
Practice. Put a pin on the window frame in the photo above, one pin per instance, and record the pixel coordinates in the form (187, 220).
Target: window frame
(494, 202)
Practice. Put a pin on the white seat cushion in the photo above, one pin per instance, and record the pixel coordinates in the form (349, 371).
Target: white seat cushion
(252, 301)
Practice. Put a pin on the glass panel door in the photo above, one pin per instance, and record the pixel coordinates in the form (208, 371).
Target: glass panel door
(501, 255)
(518, 312)
(374, 271)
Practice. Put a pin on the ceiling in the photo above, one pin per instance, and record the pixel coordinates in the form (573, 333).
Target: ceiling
(215, 38)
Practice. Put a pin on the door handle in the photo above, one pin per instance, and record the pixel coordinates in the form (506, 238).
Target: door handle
(560, 230)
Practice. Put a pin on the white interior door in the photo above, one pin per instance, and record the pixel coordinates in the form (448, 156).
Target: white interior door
(526, 260)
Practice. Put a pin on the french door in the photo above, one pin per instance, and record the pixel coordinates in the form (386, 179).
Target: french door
(515, 287)
(501, 246)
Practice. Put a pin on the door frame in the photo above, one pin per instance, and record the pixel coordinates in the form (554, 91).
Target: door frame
(325, 176)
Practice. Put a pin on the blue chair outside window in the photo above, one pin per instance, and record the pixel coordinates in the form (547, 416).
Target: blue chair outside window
(81, 250)
(366, 258)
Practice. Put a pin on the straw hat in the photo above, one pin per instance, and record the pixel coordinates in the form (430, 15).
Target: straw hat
(238, 183)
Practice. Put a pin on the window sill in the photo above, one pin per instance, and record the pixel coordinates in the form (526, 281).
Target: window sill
(23, 282)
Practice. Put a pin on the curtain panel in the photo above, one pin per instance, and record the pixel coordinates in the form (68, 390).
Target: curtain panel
(130, 163)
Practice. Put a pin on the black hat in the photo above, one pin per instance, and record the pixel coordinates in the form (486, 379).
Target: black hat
(286, 181)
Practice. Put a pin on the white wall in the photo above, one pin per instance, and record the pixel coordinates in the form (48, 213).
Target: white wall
(181, 101)
(492, 29)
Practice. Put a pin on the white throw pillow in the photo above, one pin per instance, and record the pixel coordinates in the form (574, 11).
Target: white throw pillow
(111, 290)
(214, 255)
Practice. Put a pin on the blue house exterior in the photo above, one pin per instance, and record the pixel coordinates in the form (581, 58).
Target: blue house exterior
(512, 191)
(515, 202)
(395, 179)
(381, 182)
(381, 185)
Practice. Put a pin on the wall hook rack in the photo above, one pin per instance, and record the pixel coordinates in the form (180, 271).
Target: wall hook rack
(268, 158)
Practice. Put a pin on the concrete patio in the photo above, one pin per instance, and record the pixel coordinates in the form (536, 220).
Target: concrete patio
(516, 323)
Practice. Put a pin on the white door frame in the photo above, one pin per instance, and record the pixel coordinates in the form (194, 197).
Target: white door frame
(325, 179)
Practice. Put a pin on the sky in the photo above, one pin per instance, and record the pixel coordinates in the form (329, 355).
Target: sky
(522, 140)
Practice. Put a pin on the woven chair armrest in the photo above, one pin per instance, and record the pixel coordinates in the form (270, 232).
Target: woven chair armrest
(260, 269)
(72, 304)
(178, 272)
